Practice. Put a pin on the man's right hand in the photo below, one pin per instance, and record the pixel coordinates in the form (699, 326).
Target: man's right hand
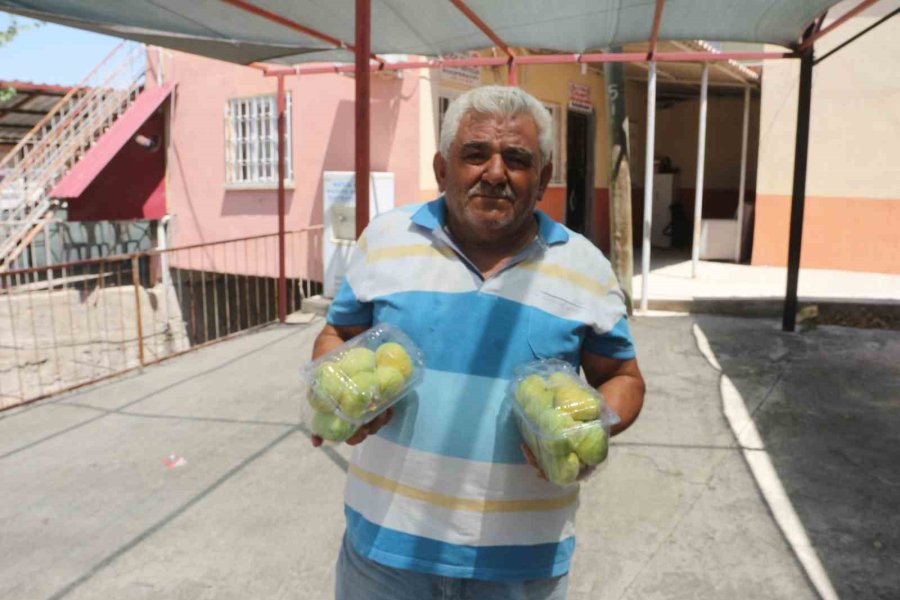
(363, 432)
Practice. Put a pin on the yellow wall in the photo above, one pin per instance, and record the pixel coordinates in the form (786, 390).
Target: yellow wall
(676, 137)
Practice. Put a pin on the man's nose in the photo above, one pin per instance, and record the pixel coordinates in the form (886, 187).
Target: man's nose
(494, 171)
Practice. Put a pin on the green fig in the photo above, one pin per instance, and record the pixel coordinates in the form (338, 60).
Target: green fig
(577, 402)
(390, 382)
(563, 470)
(329, 383)
(592, 446)
(560, 379)
(392, 354)
(331, 427)
(357, 359)
(358, 396)
(553, 425)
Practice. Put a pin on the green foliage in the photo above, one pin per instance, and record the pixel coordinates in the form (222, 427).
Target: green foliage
(7, 34)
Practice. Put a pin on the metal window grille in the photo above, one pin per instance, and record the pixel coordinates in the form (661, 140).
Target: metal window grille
(251, 140)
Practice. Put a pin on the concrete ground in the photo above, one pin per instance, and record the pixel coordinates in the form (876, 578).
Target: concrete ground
(671, 269)
(763, 467)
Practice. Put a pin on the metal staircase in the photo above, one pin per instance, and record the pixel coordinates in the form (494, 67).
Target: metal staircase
(40, 160)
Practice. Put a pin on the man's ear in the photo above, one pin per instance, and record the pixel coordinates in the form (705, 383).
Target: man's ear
(440, 170)
(546, 176)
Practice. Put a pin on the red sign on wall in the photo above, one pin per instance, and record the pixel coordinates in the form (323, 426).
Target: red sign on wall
(580, 97)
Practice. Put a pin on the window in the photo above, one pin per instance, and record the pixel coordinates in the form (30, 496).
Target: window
(251, 141)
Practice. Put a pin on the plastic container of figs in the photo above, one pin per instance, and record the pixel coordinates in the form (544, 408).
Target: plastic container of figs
(354, 383)
(564, 421)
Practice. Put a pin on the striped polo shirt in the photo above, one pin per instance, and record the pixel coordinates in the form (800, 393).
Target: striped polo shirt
(444, 488)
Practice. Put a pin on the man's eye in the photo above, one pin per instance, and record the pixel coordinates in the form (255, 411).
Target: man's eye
(517, 161)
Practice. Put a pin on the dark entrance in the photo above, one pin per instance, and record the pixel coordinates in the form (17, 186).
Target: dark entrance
(579, 175)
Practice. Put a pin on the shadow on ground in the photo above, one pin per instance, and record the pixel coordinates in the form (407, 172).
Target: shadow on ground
(827, 406)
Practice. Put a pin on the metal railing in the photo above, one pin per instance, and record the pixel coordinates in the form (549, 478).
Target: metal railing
(71, 324)
(61, 138)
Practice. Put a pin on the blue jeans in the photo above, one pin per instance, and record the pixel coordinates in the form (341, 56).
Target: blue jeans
(359, 578)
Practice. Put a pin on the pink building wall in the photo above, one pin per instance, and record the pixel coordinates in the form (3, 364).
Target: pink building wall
(322, 140)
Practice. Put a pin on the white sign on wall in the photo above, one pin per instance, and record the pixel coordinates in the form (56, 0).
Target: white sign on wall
(470, 76)
(339, 210)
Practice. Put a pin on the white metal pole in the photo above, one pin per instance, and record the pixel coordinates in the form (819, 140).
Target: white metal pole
(648, 186)
(701, 159)
(742, 186)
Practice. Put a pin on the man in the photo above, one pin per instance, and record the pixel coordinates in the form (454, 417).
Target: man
(441, 501)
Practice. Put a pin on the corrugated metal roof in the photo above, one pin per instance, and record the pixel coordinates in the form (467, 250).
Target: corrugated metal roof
(24, 109)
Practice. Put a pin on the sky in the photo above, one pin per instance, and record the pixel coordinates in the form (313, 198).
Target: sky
(51, 53)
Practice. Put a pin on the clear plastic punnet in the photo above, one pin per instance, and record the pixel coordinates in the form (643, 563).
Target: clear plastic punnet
(564, 421)
(354, 383)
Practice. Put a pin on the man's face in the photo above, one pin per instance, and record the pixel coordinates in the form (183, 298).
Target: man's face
(493, 177)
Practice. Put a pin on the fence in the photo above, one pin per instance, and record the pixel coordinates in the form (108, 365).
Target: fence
(67, 325)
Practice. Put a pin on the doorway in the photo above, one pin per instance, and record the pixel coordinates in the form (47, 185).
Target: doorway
(579, 171)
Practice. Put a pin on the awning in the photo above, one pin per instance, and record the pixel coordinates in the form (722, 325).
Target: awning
(26, 107)
(86, 170)
(295, 31)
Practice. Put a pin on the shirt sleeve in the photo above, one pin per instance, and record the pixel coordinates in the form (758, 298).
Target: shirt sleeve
(347, 309)
(615, 343)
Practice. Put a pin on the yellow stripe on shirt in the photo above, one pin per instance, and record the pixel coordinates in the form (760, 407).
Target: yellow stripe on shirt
(574, 277)
(408, 251)
(456, 503)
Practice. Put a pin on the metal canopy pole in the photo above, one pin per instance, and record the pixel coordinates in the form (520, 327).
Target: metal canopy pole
(789, 318)
(648, 186)
(743, 182)
(282, 282)
(701, 160)
(363, 44)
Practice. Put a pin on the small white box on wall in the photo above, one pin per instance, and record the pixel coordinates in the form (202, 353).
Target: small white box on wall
(717, 239)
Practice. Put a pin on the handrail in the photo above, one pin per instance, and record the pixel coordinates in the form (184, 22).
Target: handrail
(145, 253)
(56, 106)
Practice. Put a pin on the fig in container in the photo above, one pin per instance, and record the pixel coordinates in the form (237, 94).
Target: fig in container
(564, 421)
(354, 383)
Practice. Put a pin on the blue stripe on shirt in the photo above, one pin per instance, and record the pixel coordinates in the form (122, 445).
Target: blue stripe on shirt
(451, 414)
(405, 551)
(448, 328)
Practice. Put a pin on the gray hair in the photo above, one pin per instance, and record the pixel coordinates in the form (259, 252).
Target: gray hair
(498, 100)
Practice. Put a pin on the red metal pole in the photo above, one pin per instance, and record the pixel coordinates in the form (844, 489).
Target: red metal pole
(470, 14)
(541, 59)
(276, 18)
(282, 282)
(512, 77)
(363, 45)
(657, 18)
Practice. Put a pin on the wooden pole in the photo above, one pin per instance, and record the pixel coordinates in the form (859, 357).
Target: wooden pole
(621, 246)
